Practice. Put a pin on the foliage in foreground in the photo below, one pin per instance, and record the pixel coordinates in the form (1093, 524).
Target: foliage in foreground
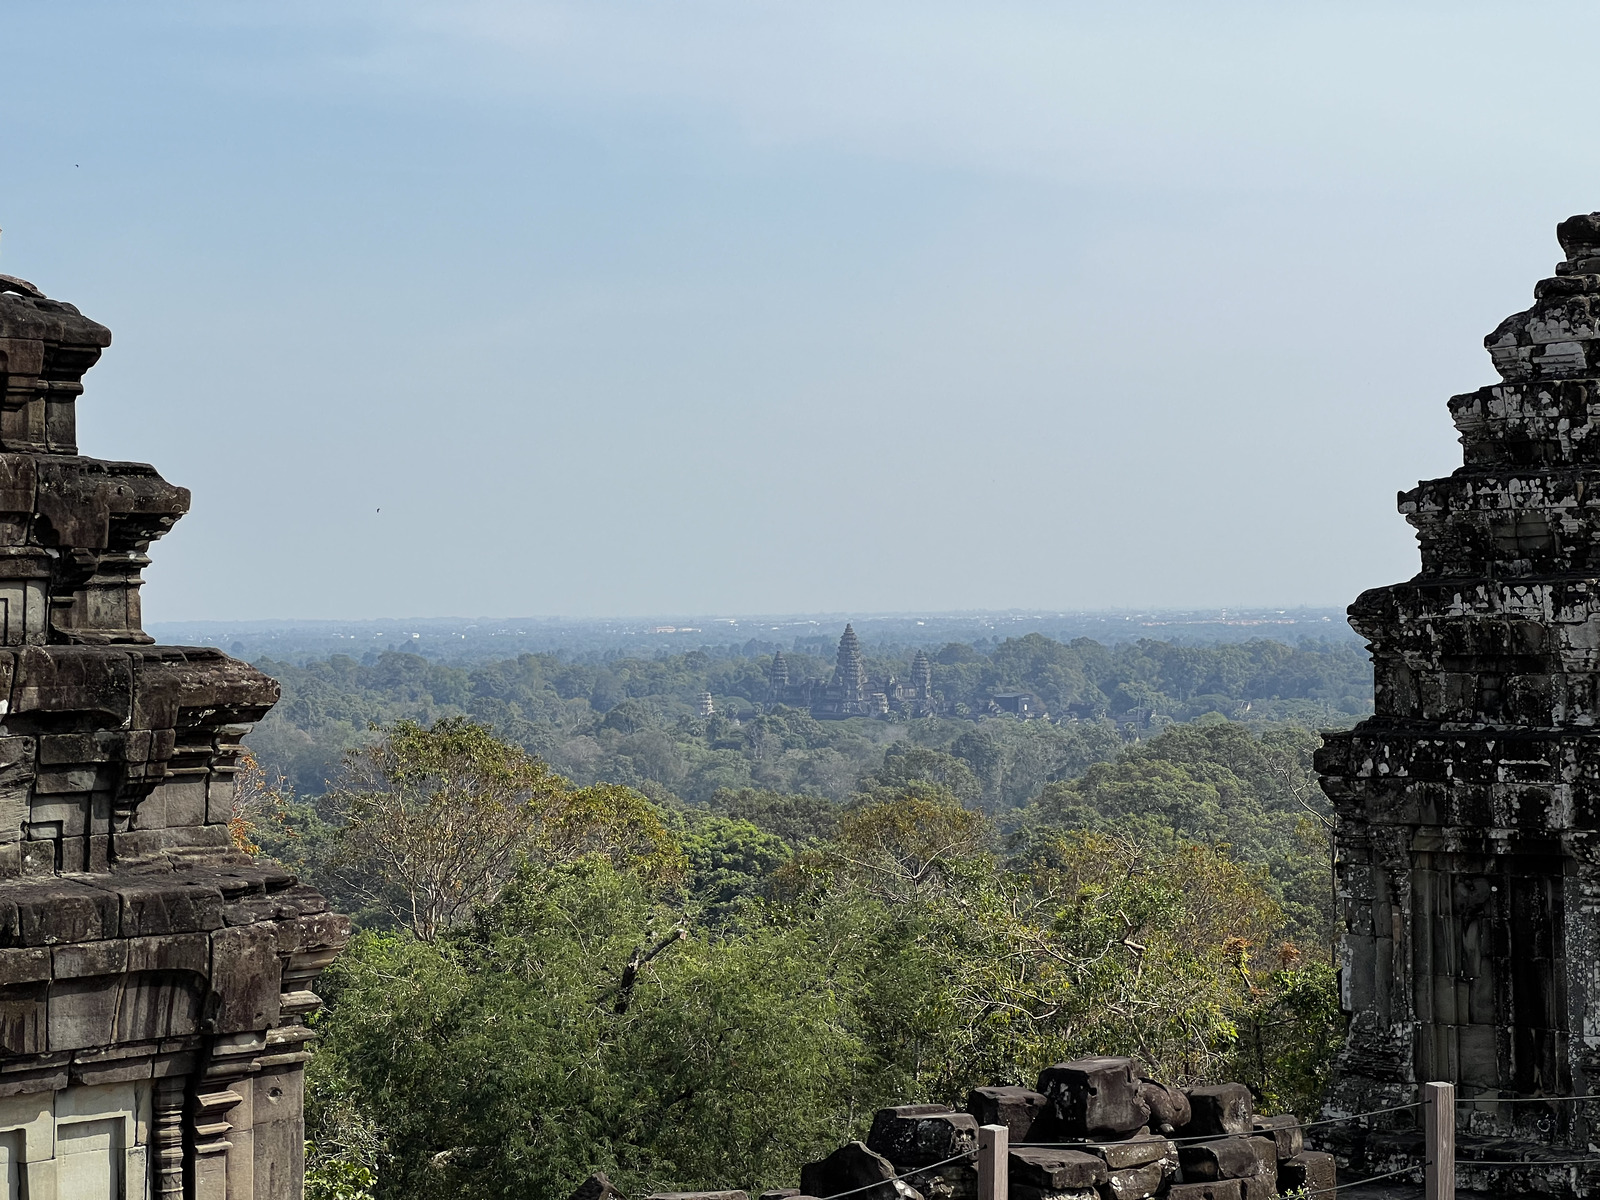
(719, 1026)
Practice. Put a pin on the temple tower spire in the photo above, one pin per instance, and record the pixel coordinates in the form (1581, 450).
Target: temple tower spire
(1468, 805)
(849, 672)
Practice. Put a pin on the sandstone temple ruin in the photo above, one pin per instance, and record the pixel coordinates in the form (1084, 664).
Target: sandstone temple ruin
(154, 983)
(1469, 804)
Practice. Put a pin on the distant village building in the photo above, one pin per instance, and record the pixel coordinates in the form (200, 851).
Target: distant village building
(708, 706)
(850, 693)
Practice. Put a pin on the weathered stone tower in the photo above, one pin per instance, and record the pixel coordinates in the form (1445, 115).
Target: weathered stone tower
(849, 674)
(153, 982)
(1469, 804)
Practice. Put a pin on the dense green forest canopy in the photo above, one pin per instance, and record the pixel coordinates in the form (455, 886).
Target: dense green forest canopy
(633, 720)
(602, 931)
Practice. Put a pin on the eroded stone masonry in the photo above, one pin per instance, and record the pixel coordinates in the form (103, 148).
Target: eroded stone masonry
(1469, 804)
(154, 983)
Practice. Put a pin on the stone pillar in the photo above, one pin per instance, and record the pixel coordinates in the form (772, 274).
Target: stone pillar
(154, 982)
(1469, 804)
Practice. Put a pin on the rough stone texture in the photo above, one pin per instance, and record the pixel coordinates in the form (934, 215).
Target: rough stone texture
(1095, 1097)
(154, 983)
(1469, 804)
(1283, 1132)
(1049, 1168)
(1223, 1110)
(1221, 1189)
(1169, 1107)
(1137, 1151)
(1224, 1158)
(854, 1166)
(919, 1135)
(1017, 1108)
(1312, 1170)
(1135, 1183)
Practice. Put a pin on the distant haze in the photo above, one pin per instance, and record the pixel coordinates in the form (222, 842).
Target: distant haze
(482, 639)
(596, 308)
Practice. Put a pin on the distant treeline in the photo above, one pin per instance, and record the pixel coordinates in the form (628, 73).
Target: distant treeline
(634, 720)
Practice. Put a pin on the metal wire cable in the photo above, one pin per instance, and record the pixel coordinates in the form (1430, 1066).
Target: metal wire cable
(1553, 1162)
(1460, 1100)
(1362, 1182)
(903, 1175)
(1377, 1112)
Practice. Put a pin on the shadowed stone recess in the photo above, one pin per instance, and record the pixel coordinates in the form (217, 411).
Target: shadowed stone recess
(154, 982)
(1469, 804)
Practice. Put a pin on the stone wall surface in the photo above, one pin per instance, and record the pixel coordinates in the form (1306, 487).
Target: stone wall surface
(154, 982)
(1469, 803)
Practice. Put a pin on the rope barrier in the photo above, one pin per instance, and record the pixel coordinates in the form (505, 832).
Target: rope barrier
(1521, 1099)
(903, 1175)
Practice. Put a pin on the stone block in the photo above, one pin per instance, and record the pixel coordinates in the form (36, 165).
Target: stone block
(1311, 1169)
(1026, 1191)
(173, 952)
(24, 966)
(1095, 1098)
(68, 749)
(276, 1099)
(1223, 1158)
(183, 799)
(82, 959)
(245, 978)
(1014, 1107)
(83, 1012)
(169, 906)
(38, 857)
(1050, 1168)
(1224, 1109)
(1283, 1132)
(1218, 1189)
(1135, 1183)
(159, 1004)
(854, 1166)
(599, 1187)
(64, 911)
(918, 1135)
(1137, 1151)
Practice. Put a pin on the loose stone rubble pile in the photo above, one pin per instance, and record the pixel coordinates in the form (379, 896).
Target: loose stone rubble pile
(1094, 1129)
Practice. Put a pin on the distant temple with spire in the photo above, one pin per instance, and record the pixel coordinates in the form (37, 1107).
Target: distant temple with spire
(850, 693)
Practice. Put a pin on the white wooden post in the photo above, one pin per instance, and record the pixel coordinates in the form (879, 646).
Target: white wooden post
(1439, 1137)
(994, 1157)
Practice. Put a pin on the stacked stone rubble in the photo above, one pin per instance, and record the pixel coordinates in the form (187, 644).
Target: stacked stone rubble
(1469, 804)
(1094, 1129)
(154, 982)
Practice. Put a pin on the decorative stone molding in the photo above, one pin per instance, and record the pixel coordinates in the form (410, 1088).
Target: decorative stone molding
(154, 982)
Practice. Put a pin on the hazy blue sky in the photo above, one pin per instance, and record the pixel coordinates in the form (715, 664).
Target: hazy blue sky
(620, 308)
